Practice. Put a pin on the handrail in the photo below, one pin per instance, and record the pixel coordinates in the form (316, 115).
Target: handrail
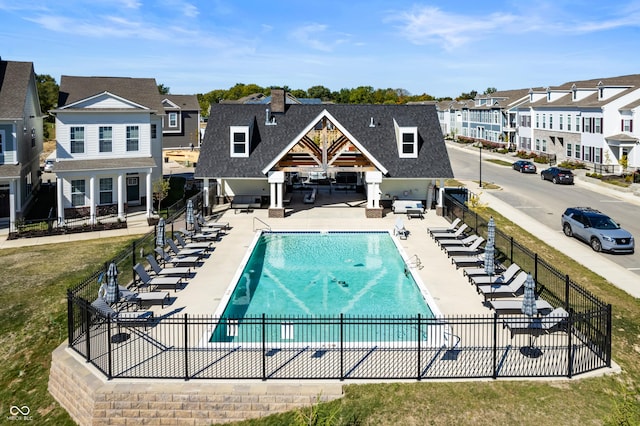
(414, 262)
(262, 221)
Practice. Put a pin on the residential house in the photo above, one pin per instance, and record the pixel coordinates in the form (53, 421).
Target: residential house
(20, 139)
(256, 151)
(109, 145)
(585, 121)
(181, 124)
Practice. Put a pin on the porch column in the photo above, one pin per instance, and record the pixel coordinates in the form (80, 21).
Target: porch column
(149, 194)
(60, 199)
(205, 195)
(12, 205)
(92, 199)
(373, 180)
(121, 196)
(440, 205)
(276, 180)
(18, 196)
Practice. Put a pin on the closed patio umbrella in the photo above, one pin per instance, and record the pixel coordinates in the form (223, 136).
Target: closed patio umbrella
(530, 309)
(190, 219)
(489, 261)
(160, 233)
(112, 294)
(491, 231)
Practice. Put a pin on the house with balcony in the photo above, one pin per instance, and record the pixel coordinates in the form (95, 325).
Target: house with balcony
(20, 139)
(181, 122)
(585, 121)
(108, 145)
(258, 153)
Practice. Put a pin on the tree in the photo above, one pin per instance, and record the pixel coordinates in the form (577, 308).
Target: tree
(164, 90)
(490, 90)
(470, 95)
(48, 93)
(161, 190)
(319, 92)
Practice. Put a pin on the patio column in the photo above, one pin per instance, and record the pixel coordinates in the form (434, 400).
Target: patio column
(149, 194)
(60, 199)
(12, 205)
(373, 180)
(205, 195)
(92, 199)
(276, 180)
(121, 196)
(440, 204)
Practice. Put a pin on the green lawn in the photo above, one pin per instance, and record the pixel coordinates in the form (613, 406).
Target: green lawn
(33, 322)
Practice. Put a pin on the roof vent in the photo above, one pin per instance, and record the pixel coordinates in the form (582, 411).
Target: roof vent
(269, 120)
(372, 123)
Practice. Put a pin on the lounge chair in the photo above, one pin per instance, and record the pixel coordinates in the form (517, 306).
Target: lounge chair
(473, 271)
(514, 306)
(181, 252)
(503, 278)
(462, 242)
(206, 246)
(474, 248)
(470, 261)
(199, 229)
(451, 228)
(537, 326)
(200, 236)
(449, 235)
(400, 230)
(122, 318)
(504, 290)
(182, 271)
(212, 223)
(175, 260)
(147, 281)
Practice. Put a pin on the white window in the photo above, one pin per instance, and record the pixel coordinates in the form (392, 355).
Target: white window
(627, 125)
(550, 121)
(544, 145)
(106, 191)
(560, 124)
(577, 124)
(569, 152)
(598, 125)
(586, 125)
(597, 155)
(154, 131)
(77, 192)
(577, 152)
(173, 119)
(544, 121)
(77, 140)
(239, 137)
(538, 145)
(408, 143)
(105, 138)
(537, 121)
(132, 138)
(569, 122)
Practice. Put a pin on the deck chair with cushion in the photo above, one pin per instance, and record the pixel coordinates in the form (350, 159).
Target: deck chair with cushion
(474, 271)
(181, 252)
(496, 279)
(182, 271)
(514, 306)
(451, 228)
(400, 230)
(468, 261)
(122, 318)
(537, 326)
(473, 248)
(146, 281)
(176, 260)
(212, 223)
(462, 242)
(205, 245)
(449, 235)
(200, 236)
(512, 289)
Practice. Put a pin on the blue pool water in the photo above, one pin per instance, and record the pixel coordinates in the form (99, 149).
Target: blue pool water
(320, 275)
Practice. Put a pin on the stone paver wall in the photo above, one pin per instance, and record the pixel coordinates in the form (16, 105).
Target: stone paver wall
(92, 400)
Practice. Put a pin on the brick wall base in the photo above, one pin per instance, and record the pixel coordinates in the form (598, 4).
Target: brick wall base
(90, 399)
(277, 213)
(372, 213)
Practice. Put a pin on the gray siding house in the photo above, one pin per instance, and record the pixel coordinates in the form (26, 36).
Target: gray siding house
(181, 123)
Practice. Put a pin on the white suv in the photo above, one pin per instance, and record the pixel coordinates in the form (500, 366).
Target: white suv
(597, 229)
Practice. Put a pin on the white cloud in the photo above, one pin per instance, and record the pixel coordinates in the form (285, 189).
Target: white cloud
(309, 35)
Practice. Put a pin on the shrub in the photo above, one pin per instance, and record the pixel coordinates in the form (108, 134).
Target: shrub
(541, 160)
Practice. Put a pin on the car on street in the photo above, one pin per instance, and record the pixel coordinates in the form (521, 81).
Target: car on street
(524, 166)
(597, 229)
(557, 175)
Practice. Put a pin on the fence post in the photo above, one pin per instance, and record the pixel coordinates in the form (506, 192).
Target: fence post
(570, 344)
(341, 346)
(511, 248)
(133, 253)
(186, 347)
(535, 266)
(495, 345)
(419, 354)
(264, 345)
(109, 357)
(87, 321)
(608, 338)
(70, 318)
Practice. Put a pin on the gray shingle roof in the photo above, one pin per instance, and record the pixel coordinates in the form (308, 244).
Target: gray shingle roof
(14, 85)
(269, 141)
(143, 91)
(185, 102)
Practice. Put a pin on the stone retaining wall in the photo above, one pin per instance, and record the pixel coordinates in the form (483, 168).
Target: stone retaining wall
(90, 399)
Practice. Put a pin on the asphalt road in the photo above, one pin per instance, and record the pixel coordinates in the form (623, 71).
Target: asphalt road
(544, 201)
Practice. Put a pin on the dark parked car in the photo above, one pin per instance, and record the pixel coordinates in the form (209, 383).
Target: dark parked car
(596, 229)
(524, 166)
(557, 175)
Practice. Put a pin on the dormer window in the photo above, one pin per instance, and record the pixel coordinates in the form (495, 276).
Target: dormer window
(239, 137)
(407, 139)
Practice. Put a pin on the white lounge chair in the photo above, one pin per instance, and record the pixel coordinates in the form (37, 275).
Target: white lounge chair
(462, 242)
(182, 271)
(512, 289)
(181, 252)
(147, 281)
(451, 228)
(400, 230)
(206, 246)
(503, 278)
(470, 261)
(212, 223)
(514, 306)
(537, 326)
(176, 260)
(122, 318)
(449, 235)
(474, 248)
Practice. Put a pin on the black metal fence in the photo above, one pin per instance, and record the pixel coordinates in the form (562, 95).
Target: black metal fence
(345, 347)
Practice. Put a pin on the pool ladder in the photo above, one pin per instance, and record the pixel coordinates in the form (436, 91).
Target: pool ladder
(414, 262)
(261, 221)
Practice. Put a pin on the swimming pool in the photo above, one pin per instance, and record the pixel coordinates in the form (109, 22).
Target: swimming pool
(321, 276)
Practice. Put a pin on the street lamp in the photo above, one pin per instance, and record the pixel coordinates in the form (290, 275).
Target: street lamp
(480, 165)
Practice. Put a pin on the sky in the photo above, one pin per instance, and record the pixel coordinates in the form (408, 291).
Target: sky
(441, 48)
